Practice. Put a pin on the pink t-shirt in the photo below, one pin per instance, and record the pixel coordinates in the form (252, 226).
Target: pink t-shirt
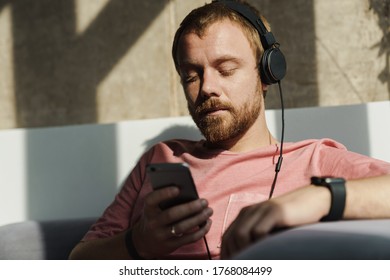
(230, 181)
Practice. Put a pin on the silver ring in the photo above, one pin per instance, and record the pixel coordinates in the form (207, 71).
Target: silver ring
(174, 233)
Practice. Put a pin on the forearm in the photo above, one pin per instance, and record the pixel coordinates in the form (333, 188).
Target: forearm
(368, 198)
(113, 248)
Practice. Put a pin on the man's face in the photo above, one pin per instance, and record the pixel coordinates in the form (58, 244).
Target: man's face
(220, 79)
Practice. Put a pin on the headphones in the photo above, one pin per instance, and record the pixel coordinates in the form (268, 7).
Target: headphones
(272, 65)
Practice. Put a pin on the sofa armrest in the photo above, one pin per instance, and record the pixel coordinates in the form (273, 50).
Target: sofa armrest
(347, 240)
(47, 240)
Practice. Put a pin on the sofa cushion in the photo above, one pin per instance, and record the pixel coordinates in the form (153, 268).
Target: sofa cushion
(348, 240)
(46, 240)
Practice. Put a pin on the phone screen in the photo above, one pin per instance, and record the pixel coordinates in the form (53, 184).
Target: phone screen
(173, 174)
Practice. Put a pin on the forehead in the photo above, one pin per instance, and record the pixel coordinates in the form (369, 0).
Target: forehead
(220, 39)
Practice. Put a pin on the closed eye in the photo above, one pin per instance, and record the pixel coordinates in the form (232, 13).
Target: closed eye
(228, 72)
(189, 79)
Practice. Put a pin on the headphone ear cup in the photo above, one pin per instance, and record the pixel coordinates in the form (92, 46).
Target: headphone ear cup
(272, 66)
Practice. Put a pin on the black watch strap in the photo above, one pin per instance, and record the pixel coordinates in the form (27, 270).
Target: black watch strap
(130, 245)
(336, 187)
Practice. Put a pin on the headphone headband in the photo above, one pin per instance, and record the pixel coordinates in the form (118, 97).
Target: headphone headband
(266, 37)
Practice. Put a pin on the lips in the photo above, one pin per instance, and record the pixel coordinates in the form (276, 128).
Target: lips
(213, 110)
(210, 107)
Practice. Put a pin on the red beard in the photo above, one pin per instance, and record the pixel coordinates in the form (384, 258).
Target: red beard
(230, 123)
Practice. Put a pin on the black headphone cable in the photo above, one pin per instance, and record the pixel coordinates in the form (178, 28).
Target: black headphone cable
(207, 247)
(280, 159)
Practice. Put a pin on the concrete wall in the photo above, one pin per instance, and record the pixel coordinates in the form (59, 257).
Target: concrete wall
(70, 62)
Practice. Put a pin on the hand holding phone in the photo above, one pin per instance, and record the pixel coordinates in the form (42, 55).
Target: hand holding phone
(173, 174)
(161, 232)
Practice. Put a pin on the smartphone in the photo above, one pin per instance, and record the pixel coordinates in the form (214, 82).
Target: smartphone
(173, 174)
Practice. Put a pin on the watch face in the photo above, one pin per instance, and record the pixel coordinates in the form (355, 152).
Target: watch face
(326, 180)
(330, 180)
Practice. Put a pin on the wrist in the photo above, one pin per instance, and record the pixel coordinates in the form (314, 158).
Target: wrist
(130, 245)
(324, 198)
(336, 187)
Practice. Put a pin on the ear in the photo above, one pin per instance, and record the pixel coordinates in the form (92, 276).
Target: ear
(264, 88)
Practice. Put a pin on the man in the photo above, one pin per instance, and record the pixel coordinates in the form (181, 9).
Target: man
(216, 53)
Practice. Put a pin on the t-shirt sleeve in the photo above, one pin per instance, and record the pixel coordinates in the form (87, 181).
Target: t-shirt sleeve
(335, 160)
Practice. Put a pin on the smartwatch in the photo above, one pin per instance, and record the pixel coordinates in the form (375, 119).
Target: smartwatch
(336, 187)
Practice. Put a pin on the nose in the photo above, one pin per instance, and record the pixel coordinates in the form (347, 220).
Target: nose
(209, 84)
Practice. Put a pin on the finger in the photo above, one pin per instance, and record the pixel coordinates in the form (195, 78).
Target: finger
(153, 199)
(229, 239)
(180, 212)
(268, 223)
(226, 250)
(245, 229)
(238, 233)
(194, 221)
(194, 236)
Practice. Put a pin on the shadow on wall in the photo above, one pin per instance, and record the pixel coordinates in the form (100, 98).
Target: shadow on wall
(58, 70)
(348, 126)
(63, 184)
(382, 9)
(175, 132)
(3, 3)
(293, 24)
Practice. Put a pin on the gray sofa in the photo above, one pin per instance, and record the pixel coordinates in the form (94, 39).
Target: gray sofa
(47, 240)
(365, 239)
(343, 240)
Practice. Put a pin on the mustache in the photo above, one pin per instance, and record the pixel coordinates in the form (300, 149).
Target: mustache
(212, 105)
